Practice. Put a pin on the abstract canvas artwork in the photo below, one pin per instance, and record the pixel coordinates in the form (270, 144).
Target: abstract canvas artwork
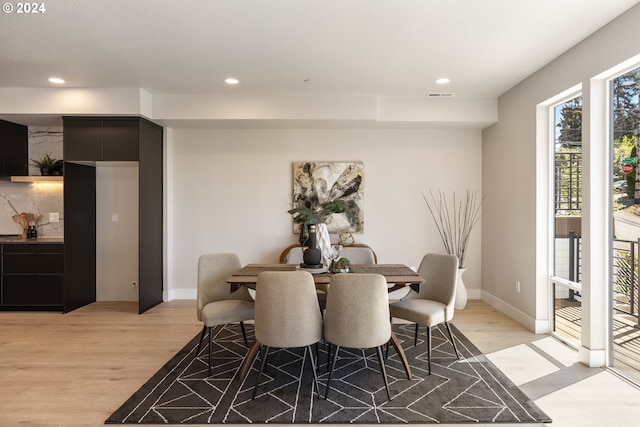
(318, 182)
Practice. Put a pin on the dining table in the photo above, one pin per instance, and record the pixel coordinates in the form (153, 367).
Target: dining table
(396, 275)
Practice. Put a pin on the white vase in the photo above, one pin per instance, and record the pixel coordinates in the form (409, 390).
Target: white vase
(324, 243)
(461, 291)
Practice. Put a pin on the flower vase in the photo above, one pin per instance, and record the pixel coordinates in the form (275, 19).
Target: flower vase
(461, 291)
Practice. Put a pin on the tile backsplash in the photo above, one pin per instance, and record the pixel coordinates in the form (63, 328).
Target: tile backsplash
(37, 198)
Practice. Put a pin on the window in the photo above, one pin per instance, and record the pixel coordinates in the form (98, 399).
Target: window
(625, 315)
(567, 212)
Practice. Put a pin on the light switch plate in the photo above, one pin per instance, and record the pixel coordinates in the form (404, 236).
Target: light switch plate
(54, 217)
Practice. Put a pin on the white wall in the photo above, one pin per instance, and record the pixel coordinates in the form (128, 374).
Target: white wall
(117, 238)
(230, 190)
(514, 233)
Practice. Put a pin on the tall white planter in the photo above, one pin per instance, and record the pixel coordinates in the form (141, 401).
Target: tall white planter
(461, 291)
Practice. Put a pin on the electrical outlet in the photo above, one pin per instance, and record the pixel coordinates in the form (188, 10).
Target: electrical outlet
(517, 286)
(54, 217)
(114, 217)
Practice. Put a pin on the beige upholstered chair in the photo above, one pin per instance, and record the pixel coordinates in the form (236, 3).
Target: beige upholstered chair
(360, 254)
(287, 315)
(357, 316)
(434, 304)
(356, 254)
(216, 305)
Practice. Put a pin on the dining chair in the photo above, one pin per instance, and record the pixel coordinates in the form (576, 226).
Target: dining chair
(287, 315)
(294, 255)
(360, 254)
(434, 303)
(357, 316)
(356, 254)
(216, 305)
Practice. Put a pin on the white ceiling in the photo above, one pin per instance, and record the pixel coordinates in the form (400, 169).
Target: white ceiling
(373, 47)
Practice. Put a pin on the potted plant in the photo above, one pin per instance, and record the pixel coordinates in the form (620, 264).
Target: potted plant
(46, 164)
(306, 216)
(454, 226)
(340, 265)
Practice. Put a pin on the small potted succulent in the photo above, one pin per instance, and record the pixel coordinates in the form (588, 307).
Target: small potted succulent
(340, 265)
(46, 164)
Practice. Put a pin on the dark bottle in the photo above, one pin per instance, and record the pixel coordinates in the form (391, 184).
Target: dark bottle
(312, 256)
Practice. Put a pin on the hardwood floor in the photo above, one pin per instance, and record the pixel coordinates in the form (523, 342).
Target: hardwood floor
(75, 369)
(626, 336)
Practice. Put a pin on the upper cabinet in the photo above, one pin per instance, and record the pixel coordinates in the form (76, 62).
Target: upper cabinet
(104, 139)
(14, 149)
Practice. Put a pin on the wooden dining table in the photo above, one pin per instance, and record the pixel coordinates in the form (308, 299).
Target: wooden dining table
(398, 275)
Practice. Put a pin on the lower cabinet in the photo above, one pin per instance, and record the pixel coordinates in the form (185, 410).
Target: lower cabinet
(32, 276)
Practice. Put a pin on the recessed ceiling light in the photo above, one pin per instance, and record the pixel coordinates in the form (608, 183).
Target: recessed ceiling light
(56, 80)
(231, 81)
(443, 81)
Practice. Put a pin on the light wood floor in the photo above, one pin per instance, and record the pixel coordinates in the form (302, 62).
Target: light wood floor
(626, 336)
(75, 369)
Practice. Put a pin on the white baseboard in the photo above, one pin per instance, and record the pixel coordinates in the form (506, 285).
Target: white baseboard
(474, 293)
(592, 358)
(180, 294)
(537, 326)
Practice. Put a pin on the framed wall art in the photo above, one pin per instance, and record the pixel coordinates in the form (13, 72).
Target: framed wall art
(315, 183)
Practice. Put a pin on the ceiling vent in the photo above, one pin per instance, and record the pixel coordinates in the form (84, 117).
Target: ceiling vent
(441, 94)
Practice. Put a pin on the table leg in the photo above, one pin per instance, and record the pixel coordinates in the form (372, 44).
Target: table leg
(403, 358)
(248, 359)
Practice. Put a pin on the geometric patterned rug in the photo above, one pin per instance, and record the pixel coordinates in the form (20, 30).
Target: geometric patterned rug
(469, 390)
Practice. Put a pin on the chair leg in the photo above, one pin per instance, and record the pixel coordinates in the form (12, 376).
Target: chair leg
(204, 330)
(452, 340)
(210, 345)
(415, 337)
(313, 367)
(261, 357)
(333, 364)
(244, 334)
(429, 347)
(383, 370)
(329, 356)
(264, 362)
(386, 354)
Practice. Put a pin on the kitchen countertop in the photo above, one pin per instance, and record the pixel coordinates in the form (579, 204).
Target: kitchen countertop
(18, 239)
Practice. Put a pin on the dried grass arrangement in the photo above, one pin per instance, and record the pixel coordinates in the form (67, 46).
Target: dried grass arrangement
(455, 224)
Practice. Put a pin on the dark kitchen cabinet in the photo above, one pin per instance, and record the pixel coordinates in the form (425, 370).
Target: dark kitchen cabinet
(102, 139)
(83, 140)
(32, 276)
(14, 149)
(120, 140)
(111, 139)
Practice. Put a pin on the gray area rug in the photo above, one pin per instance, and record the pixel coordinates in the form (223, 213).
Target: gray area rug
(469, 390)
